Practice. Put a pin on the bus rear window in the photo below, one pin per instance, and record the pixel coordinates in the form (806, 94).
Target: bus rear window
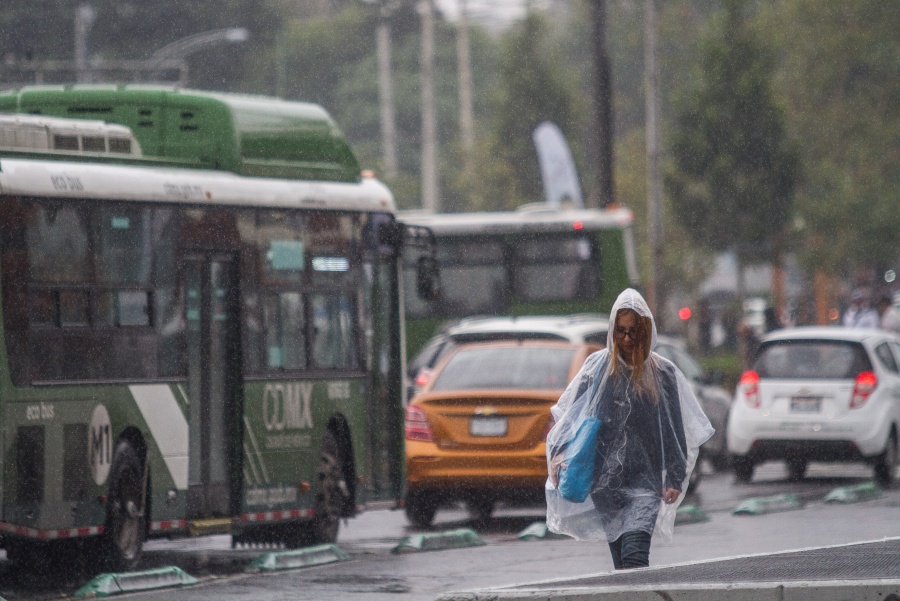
(811, 359)
(556, 269)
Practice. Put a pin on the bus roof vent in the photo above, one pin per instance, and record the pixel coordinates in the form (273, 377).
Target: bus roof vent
(36, 133)
(537, 207)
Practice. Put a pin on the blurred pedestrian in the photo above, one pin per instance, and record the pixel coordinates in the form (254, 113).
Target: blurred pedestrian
(646, 446)
(749, 344)
(889, 316)
(860, 313)
(772, 321)
(704, 325)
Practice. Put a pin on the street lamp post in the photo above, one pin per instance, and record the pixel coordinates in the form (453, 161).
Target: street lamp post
(185, 46)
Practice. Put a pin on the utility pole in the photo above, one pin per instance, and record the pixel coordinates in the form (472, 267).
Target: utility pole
(654, 173)
(430, 193)
(385, 91)
(603, 126)
(84, 20)
(466, 119)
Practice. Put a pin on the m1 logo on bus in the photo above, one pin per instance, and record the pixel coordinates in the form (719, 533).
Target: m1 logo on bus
(288, 406)
(100, 444)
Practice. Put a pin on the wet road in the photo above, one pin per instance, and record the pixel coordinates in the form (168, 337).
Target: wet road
(373, 573)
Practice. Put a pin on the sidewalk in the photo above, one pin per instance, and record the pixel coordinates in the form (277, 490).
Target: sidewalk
(859, 571)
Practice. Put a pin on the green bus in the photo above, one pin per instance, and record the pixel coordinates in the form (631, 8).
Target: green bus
(537, 260)
(201, 322)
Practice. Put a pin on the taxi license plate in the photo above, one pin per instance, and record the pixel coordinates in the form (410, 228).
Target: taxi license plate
(805, 404)
(488, 426)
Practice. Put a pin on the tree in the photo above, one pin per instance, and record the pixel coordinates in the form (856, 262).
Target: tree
(531, 89)
(734, 170)
(841, 79)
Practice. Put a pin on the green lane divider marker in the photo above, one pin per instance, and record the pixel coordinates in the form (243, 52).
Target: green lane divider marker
(690, 514)
(761, 505)
(109, 584)
(451, 539)
(538, 531)
(854, 494)
(299, 558)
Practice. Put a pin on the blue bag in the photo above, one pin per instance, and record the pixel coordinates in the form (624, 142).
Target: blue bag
(577, 471)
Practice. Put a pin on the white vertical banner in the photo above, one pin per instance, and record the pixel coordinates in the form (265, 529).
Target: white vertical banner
(558, 171)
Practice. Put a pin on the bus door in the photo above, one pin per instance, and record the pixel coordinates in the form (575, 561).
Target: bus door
(210, 289)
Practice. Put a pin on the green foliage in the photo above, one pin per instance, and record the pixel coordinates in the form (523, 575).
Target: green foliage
(532, 90)
(841, 78)
(734, 169)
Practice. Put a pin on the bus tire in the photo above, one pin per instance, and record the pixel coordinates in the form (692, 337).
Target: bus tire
(123, 536)
(331, 495)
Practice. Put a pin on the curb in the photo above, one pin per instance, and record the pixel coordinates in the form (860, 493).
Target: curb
(854, 494)
(105, 585)
(300, 558)
(539, 531)
(451, 539)
(763, 505)
(690, 514)
(862, 590)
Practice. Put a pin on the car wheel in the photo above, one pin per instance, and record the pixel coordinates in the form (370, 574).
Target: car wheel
(796, 469)
(886, 463)
(421, 507)
(720, 462)
(123, 536)
(480, 509)
(743, 468)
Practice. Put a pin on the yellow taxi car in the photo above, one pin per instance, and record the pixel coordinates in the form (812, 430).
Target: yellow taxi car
(476, 431)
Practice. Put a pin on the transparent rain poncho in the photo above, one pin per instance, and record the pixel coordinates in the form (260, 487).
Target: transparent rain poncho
(646, 442)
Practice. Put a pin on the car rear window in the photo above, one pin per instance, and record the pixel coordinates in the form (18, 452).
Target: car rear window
(525, 367)
(812, 359)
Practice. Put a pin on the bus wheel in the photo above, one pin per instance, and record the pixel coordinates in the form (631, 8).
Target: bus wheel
(123, 536)
(331, 495)
(31, 557)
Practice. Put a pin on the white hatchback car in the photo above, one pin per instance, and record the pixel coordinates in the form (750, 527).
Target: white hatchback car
(819, 394)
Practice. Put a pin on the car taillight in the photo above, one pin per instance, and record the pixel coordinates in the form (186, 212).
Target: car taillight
(416, 426)
(749, 385)
(550, 422)
(422, 377)
(865, 384)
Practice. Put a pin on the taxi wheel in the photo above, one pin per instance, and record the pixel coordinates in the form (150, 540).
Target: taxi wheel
(421, 508)
(480, 509)
(886, 464)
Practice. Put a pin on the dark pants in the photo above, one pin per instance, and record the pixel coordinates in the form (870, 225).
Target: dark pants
(631, 550)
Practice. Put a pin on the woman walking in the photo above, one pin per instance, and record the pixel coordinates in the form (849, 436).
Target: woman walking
(646, 446)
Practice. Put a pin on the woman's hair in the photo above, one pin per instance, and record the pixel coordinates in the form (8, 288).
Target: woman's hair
(642, 381)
